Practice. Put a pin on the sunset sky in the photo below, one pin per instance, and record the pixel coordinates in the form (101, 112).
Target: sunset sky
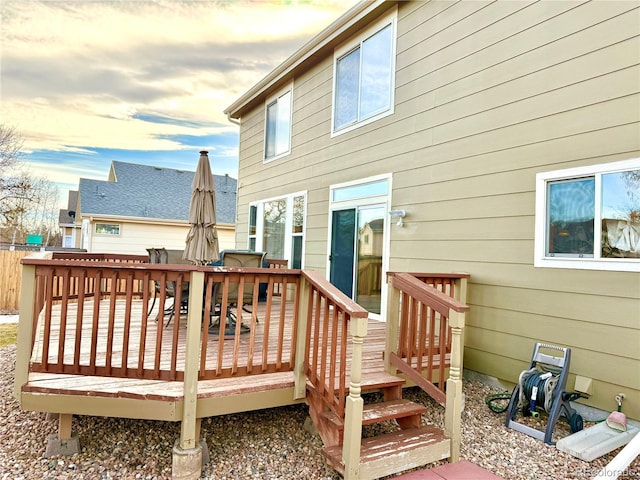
(144, 81)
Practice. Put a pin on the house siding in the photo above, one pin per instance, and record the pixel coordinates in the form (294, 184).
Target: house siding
(488, 94)
(135, 238)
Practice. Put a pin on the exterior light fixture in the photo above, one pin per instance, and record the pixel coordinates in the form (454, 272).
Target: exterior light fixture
(399, 214)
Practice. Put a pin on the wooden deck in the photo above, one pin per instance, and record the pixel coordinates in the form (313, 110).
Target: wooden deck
(88, 345)
(78, 382)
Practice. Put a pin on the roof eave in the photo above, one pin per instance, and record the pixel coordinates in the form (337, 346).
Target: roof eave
(132, 219)
(286, 68)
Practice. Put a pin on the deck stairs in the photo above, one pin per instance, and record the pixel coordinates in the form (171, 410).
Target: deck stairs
(411, 444)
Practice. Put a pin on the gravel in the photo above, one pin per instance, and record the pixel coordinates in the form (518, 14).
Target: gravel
(267, 444)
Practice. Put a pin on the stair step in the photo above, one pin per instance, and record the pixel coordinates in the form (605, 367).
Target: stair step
(374, 381)
(379, 412)
(395, 452)
(382, 411)
(380, 380)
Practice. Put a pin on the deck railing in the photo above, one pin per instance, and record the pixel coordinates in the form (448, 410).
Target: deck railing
(332, 318)
(421, 346)
(425, 322)
(129, 338)
(106, 334)
(274, 349)
(90, 287)
(277, 263)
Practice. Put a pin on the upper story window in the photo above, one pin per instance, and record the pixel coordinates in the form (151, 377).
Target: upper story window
(277, 140)
(589, 217)
(364, 73)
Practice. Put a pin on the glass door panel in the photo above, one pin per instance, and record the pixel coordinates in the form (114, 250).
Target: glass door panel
(274, 228)
(369, 260)
(342, 254)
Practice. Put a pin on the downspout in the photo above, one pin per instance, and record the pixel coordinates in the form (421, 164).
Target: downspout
(235, 122)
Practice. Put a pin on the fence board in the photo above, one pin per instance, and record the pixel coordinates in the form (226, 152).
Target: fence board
(11, 278)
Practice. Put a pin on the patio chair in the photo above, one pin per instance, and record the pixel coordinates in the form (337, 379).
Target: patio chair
(166, 256)
(235, 258)
(154, 257)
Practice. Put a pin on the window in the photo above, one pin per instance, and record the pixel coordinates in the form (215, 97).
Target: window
(253, 214)
(107, 229)
(364, 76)
(273, 231)
(369, 189)
(589, 217)
(276, 226)
(297, 228)
(278, 125)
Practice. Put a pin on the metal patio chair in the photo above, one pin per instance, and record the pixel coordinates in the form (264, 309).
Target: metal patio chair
(242, 259)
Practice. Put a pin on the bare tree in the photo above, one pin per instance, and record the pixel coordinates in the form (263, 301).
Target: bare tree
(28, 204)
(10, 146)
(15, 183)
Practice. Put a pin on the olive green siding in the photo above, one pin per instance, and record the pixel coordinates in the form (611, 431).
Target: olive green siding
(488, 94)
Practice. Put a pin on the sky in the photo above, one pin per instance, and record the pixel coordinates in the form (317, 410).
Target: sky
(88, 82)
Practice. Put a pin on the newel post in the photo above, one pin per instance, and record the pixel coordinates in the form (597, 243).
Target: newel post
(461, 296)
(453, 405)
(187, 451)
(299, 376)
(27, 309)
(354, 402)
(392, 324)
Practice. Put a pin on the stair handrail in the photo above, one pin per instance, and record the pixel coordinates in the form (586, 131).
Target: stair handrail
(410, 301)
(326, 318)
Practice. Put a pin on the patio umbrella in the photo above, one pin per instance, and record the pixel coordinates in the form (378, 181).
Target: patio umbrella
(202, 240)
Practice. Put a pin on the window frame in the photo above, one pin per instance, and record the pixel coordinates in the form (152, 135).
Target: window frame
(595, 262)
(355, 42)
(258, 236)
(107, 234)
(275, 98)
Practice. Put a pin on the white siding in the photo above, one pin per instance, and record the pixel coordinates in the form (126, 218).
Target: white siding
(135, 238)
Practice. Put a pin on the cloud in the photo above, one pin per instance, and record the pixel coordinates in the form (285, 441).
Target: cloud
(86, 82)
(98, 67)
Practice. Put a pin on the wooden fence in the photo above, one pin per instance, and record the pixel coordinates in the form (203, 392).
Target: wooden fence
(10, 278)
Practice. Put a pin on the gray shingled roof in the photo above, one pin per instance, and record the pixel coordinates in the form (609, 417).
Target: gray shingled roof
(152, 192)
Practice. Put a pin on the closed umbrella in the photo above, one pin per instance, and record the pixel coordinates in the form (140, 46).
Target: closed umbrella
(202, 240)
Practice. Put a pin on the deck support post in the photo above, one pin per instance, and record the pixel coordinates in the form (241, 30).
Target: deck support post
(354, 403)
(64, 426)
(187, 452)
(299, 376)
(453, 405)
(186, 463)
(63, 443)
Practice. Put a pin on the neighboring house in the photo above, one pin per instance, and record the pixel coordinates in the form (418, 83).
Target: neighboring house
(509, 133)
(142, 206)
(69, 229)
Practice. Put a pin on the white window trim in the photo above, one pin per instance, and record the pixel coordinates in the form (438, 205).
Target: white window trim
(390, 18)
(288, 242)
(268, 101)
(591, 263)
